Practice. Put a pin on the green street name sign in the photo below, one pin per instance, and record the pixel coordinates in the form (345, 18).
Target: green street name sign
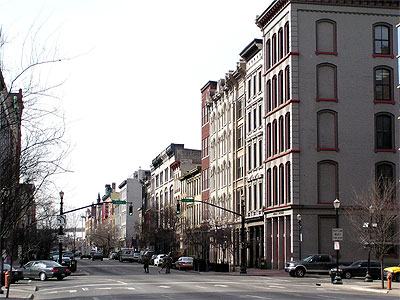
(187, 200)
(118, 202)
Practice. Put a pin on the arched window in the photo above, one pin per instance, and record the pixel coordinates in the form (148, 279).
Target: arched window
(269, 140)
(274, 137)
(269, 96)
(273, 50)
(326, 82)
(280, 88)
(327, 130)
(384, 171)
(287, 83)
(269, 187)
(327, 181)
(383, 84)
(288, 177)
(281, 134)
(275, 185)
(274, 92)
(326, 37)
(280, 44)
(384, 133)
(281, 184)
(268, 54)
(287, 131)
(382, 39)
(287, 38)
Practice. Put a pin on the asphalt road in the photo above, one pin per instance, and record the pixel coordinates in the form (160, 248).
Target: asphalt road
(112, 280)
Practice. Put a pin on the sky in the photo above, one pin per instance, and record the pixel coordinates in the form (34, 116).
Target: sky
(132, 85)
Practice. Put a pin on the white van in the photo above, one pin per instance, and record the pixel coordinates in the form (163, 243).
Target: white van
(126, 254)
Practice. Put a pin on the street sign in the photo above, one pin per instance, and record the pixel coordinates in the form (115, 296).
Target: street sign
(118, 202)
(336, 245)
(337, 234)
(187, 200)
(61, 220)
(60, 238)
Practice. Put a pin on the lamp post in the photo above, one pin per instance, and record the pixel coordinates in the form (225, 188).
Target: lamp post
(337, 279)
(300, 234)
(368, 277)
(243, 267)
(60, 232)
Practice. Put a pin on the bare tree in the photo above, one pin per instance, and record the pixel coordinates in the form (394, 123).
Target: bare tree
(375, 218)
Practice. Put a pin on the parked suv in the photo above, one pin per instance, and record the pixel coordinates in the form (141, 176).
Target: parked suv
(315, 263)
(126, 254)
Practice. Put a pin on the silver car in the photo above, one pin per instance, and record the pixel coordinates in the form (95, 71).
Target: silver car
(44, 269)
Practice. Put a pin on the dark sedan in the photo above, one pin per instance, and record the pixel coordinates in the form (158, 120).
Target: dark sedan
(44, 269)
(359, 269)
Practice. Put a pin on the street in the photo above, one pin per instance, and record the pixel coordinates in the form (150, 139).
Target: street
(110, 279)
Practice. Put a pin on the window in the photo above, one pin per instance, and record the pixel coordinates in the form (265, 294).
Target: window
(269, 140)
(274, 137)
(260, 115)
(249, 89)
(249, 121)
(274, 93)
(281, 184)
(269, 96)
(273, 50)
(287, 131)
(327, 130)
(260, 153)
(384, 134)
(280, 87)
(240, 167)
(269, 186)
(326, 37)
(268, 54)
(326, 82)
(383, 84)
(254, 155)
(249, 158)
(327, 181)
(255, 117)
(255, 196)
(382, 39)
(260, 195)
(280, 44)
(240, 137)
(287, 38)
(239, 109)
(287, 183)
(281, 138)
(166, 174)
(275, 186)
(384, 171)
(287, 83)
(254, 85)
(250, 196)
(259, 81)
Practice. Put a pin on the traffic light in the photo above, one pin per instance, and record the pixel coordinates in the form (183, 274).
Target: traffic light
(178, 208)
(131, 210)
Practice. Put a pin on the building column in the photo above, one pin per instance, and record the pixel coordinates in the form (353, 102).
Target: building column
(267, 242)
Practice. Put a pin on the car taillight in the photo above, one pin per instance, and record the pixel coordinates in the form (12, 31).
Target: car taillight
(68, 270)
(54, 270)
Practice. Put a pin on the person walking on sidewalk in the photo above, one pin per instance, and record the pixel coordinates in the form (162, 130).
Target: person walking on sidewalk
(146, 263)
(163, 264)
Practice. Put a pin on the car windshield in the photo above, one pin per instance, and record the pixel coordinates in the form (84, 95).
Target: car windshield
(355, 263)
(308, 258)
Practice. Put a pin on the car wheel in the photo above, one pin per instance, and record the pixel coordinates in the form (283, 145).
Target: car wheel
(42, 276)
(292, 274)
(347, 275)
(396, 277)
(300, 272)
(101, 259)
(59, 278)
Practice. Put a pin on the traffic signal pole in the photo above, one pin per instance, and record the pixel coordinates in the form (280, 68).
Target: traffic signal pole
(243, 263)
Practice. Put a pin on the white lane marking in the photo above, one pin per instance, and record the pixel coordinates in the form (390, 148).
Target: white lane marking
(165, 296)
(221, 285)
(277, 287)
(85, 289)
(258, 297)
(72, 291)
(121, 282)
(200, 287)
(164, 286)
(55, 292)
(105, 288)
(131, 288)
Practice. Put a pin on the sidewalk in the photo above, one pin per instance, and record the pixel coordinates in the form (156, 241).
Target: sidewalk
(23, 290)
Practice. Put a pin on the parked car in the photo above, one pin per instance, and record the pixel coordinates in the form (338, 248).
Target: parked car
(113, 255)
(153, 257)
(136, 256)
(184, 262)
(44, 269)
(159, 259)
(395, 270)
(96, 255)
(149, 254)
(16, 273)
(315, 263)
(359, 269)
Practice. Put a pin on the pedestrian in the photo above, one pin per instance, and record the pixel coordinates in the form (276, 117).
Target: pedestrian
(163, 264)
(146, 263)
(168, 264)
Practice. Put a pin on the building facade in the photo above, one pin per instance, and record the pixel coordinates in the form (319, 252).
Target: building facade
(330, 112)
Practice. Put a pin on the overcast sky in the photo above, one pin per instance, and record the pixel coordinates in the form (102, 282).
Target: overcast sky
(134, 87)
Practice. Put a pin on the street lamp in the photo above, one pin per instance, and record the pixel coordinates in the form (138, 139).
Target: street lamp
(300, 234)
(60, 232)
(337, 279)
(368, 277)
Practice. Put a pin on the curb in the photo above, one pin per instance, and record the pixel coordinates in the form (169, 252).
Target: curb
(366, 289)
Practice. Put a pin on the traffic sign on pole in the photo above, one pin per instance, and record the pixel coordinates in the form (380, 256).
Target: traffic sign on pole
(187, 200)
(118, 202)
(337, 234)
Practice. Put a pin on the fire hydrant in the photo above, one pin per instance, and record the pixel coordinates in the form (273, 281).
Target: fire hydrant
(389, 279)
(7, 279)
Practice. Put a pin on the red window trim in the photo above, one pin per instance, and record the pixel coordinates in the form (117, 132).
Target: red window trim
(385, 101)
(281, 106)
(385, 150)
(326, 52)
(327, 149)
(327, 99)
(383, 55)
(278, 207)
(281, 61)
(282, 154)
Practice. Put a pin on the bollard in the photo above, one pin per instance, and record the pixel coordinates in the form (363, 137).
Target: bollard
(7, 279)
(389, 279)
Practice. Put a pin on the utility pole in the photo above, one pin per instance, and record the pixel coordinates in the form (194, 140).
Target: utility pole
(243, 265)
(60, 232)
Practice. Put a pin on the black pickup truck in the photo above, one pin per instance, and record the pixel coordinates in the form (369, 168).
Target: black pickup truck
(315, 263)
